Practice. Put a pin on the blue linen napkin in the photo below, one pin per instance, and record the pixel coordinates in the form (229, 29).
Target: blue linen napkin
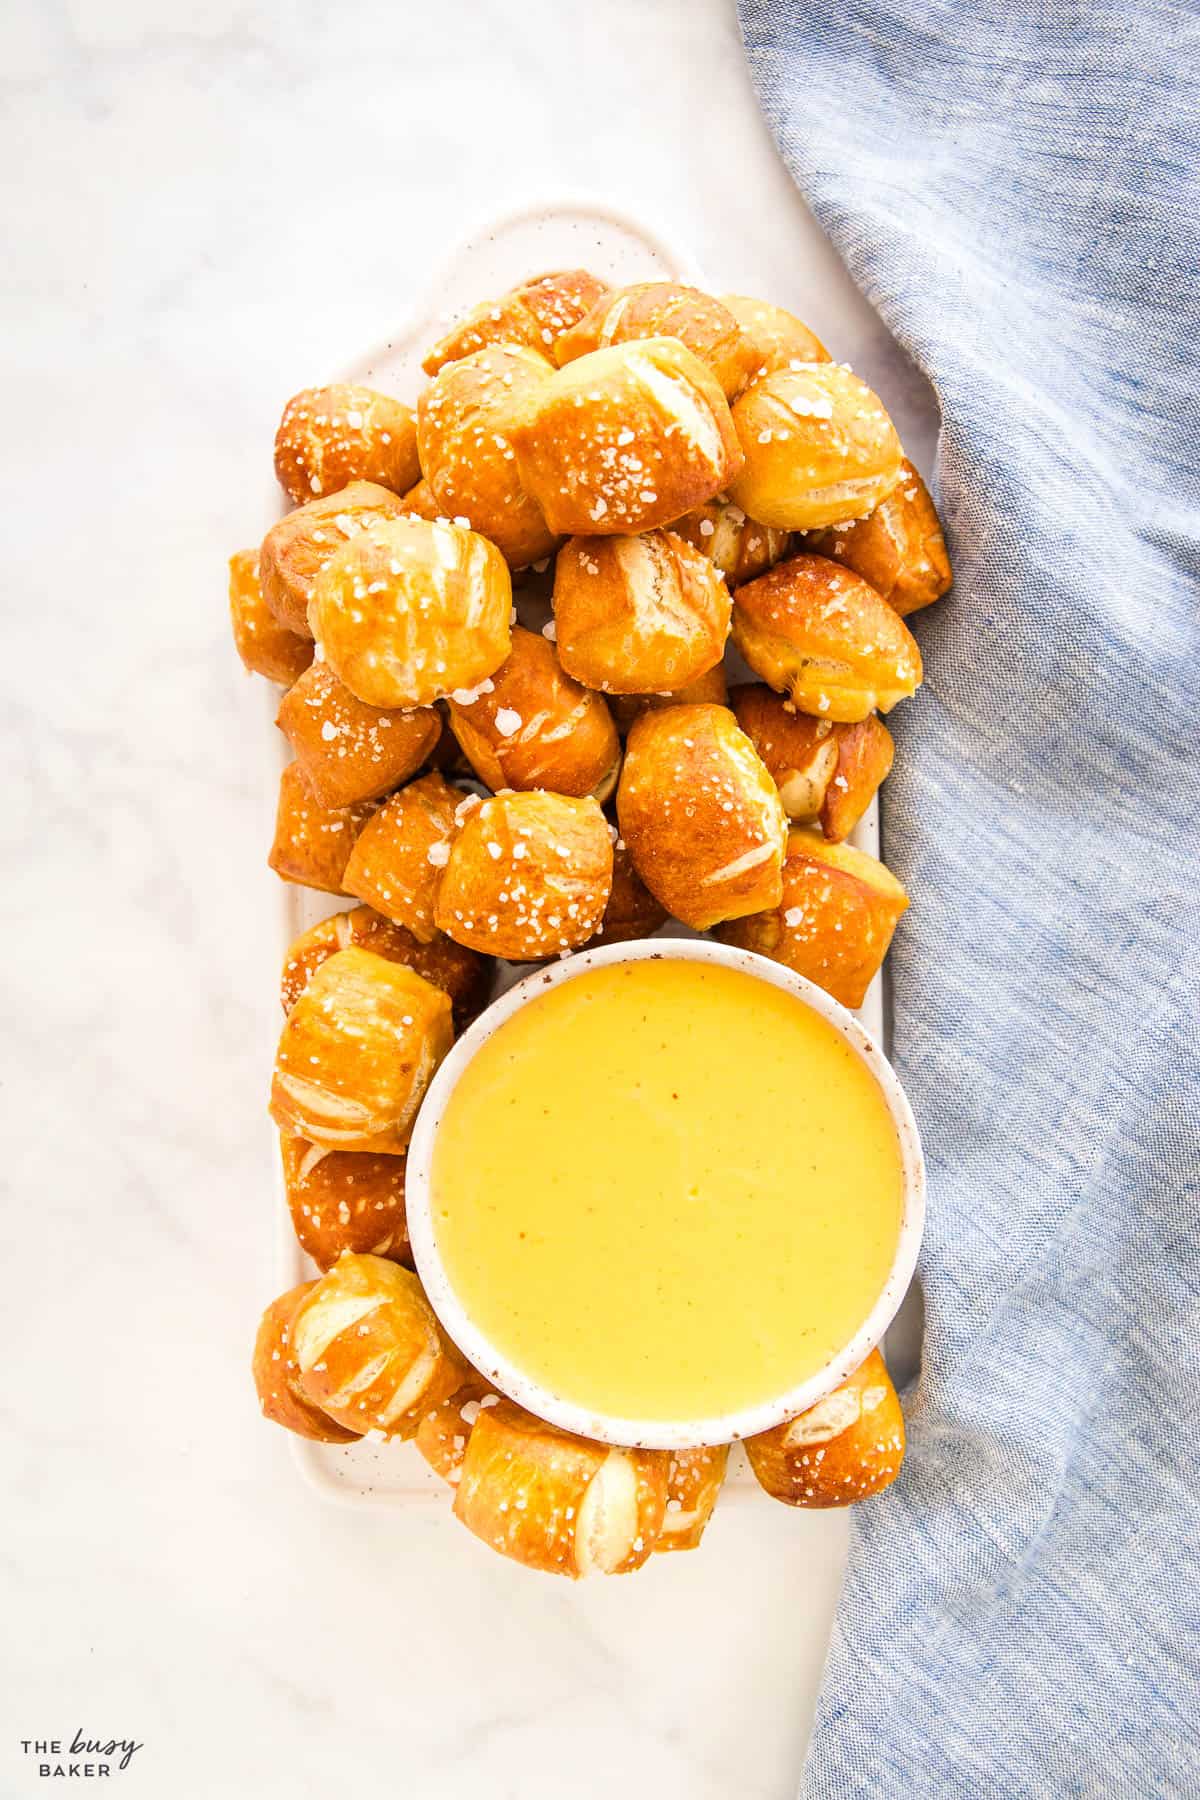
(1015, 190)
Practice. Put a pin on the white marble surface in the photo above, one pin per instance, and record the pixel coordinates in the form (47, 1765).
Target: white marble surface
(204, 209)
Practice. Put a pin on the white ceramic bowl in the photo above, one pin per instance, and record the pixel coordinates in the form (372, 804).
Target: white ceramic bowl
(681, 1433)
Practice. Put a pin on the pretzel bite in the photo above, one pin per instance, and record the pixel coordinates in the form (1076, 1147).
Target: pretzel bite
(558, 1502)
(357, 1052)
(369, 1351)
(625, 439)
(636, 615)
(312, 843)
(529, 875)
(835, 921)
(459, 972)
(694, 1479)
(443, 1432)
(898, 548)
(303, 541)
(654, 309)
(632, 911)
(739, 547)
(276, 1375)
(264, 645)
(701, 816)
(397, 868)
(819, 448)
(779, 338)
(822, 636)
(331, 435)
(350, 751)
(823, 771)
(707, 689)
(534, 314)
(845, 1448)
(344, 1200)
(469, 464)
(420, 502)
(534, 727)
(411, 610)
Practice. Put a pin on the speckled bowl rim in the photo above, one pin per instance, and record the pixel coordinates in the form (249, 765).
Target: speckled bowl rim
(610, 1428)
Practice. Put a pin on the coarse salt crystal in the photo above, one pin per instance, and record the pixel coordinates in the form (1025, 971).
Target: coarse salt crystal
(468, 696)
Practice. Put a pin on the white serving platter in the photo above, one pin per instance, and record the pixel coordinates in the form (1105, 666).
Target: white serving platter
(562, 234)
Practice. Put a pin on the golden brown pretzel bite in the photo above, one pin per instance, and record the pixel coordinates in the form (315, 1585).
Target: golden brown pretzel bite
(632, 911)
(312, 843)
(348, 750)
(276, 1376)
(264, 645)
(638, 615)
(845, 1448)
(898, 548)
(443, 1432)
(532, 726)
(739, 547)
(819, 448)
(823, 771)
(329, 436)
(299, 546)
(411, 610)
(534, 314)
(459, 972)
(357, 1052)
(835, 920)
(694, 1480)
(822, 635)
(368, 1349)
(420, 503)
(701, 816)
(470, 466)
(625, 439)
(779, 338)
(707, 689)
(398, 868)
(653, 309)
(529, 875)
(345, 1200)
(558, 1502)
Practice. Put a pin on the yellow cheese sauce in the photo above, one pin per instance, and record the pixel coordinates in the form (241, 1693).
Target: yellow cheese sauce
(666, 1190)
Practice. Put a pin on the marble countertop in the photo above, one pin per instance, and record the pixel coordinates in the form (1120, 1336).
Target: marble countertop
(201, 219)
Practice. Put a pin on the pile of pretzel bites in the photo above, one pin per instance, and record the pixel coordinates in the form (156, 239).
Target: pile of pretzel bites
(503, 624)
